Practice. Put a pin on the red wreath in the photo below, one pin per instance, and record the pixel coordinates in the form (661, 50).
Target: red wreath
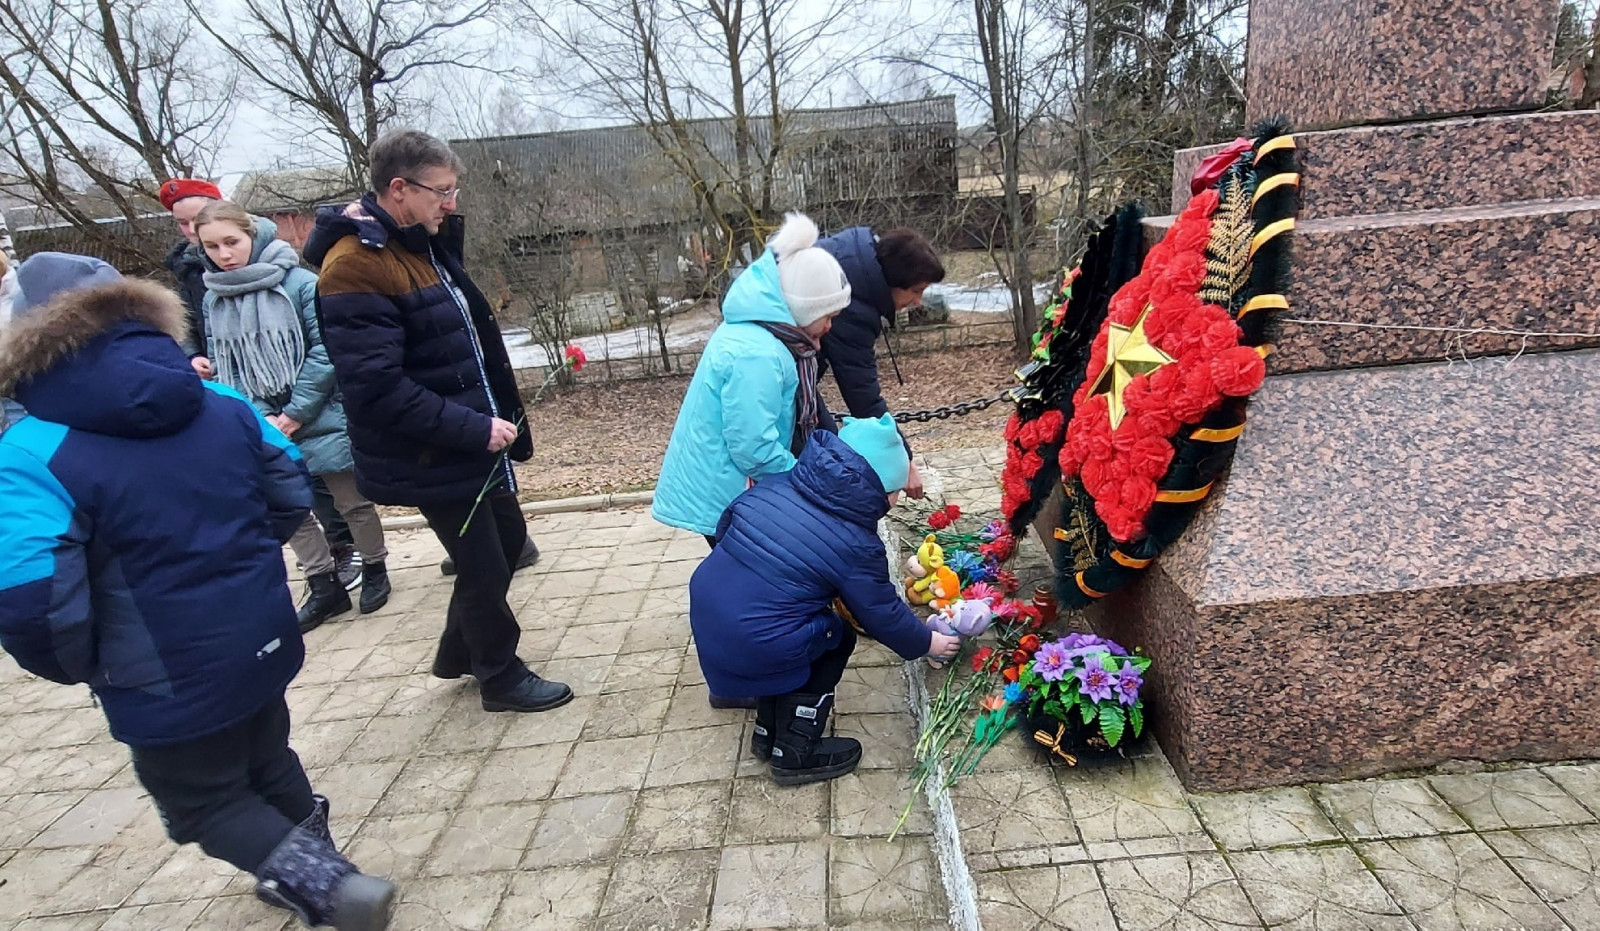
(1024, 440)
(1120, 468)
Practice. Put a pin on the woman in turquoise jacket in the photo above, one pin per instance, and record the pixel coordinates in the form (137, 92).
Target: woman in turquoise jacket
(264, 341)
(752, 402)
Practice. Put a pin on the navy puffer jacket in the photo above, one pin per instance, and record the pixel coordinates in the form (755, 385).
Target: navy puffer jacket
(760, 603)
(142, 522)
(421, 365)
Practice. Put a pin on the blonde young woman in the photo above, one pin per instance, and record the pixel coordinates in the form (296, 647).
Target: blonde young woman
(264, 341)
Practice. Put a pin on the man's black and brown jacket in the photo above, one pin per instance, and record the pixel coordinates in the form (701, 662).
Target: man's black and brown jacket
(421, 364)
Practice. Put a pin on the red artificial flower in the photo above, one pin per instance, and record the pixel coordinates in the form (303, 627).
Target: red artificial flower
(1029, 642)
(1150, 457)
(939, 520)
(953, 511)
(1007, 581)
(1238, 372)
(1051, 423)
(1030, 613)
(576, 357)
(1138, 493)
(1011, 673)
(1000, 547)
(1031, 464)
(980, 659)
(1019, 657)
(1013, 425)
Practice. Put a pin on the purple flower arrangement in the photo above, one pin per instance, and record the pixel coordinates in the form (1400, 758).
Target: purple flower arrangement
(1085, 680)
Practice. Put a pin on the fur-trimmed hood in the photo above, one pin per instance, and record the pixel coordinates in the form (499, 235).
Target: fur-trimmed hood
(104, 359)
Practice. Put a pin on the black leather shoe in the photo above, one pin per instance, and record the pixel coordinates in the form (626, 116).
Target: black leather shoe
(531, 694)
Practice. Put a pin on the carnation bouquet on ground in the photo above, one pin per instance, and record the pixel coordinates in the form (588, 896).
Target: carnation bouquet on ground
(1081, 691)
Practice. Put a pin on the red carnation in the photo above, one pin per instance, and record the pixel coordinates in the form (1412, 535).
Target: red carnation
(1138, 493)
(1150, 457)
(1202, 205)
(1239, 371)
(1221, 335)
(1031, 464)
(939, 520)
(576, 357)
(1000, 548)
(1050, 424)
(981, 658)
(1190, 235)
(953, 511)
(1186, 270)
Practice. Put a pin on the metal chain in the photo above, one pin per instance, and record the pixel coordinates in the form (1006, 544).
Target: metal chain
(952, 410)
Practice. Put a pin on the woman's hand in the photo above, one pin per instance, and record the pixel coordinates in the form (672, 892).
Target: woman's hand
(202, 367)
(943, 646)
(502, 433)
(914, 482)
(285, 424)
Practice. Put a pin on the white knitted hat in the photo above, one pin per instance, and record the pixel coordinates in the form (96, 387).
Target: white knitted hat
(814, 286)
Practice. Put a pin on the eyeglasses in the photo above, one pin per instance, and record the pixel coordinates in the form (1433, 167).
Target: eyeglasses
(444, 193)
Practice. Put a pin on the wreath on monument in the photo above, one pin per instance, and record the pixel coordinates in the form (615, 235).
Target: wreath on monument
(1159, 405)
(1035, 431)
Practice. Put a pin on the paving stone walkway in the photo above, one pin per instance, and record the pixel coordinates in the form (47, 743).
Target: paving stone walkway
(636, 806)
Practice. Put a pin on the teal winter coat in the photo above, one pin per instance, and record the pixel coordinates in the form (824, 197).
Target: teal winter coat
(737, 418)
(314, 401)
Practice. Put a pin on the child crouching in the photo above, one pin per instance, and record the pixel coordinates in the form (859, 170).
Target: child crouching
(140, 553)
(761, 603)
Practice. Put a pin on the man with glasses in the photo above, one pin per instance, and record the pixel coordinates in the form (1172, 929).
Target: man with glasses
(432, 401)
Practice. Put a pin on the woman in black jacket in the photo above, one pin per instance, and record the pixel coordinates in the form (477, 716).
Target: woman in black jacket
(887, 274)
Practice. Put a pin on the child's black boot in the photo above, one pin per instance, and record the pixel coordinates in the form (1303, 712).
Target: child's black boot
(800, 752)
(305, 875)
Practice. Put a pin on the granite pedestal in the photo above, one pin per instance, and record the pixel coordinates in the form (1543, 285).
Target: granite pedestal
(1403, 565)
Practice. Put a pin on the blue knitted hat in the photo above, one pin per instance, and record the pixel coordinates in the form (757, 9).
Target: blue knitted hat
(879, 443)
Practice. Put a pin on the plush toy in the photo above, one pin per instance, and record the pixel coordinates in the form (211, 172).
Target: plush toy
(946, 588)
(923, 568)
(962, 618)
(927, 559)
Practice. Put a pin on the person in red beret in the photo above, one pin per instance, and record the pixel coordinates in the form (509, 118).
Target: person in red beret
(184, 198)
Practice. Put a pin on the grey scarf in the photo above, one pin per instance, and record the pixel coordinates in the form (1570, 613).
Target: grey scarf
(257, 338)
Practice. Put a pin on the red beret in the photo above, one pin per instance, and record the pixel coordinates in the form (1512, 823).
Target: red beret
(179, 188)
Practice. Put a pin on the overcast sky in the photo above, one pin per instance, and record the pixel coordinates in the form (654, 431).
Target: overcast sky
(265, 137)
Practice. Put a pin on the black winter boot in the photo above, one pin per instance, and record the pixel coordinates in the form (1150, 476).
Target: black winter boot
(305, 875)
(374, 586)
(315, 824)
(328, 600)
(800, 752)
(766, 724)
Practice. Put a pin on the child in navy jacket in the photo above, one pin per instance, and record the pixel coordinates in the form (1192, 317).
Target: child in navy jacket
(140, 554)
(762, 604)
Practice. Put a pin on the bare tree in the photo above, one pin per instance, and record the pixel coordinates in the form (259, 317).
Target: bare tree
(107, 98)
(686, 70)
(350, 67)
(1091, 96)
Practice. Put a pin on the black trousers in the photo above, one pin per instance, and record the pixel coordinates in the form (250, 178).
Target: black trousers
(237, 793)
(333, 525)
(480, 631)
(828, 669)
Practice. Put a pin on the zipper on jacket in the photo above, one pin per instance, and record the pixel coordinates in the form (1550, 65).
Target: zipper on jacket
(459, 298)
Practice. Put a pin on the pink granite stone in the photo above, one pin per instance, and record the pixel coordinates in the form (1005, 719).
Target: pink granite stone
(1527, 267)
(1437, 165)
(1331, 63)
(1400, 569)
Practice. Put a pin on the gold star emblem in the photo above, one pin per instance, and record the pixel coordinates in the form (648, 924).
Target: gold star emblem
(1128, 353)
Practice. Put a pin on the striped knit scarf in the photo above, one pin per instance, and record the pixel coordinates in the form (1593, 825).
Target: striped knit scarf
(804, 350)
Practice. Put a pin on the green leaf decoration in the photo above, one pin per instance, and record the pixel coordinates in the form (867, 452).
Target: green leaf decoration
(1088, 712)
(1055, 710)
(1136, 718)
(1111, 723)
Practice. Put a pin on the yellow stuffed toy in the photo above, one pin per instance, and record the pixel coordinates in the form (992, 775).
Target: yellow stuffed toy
(923, 566)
